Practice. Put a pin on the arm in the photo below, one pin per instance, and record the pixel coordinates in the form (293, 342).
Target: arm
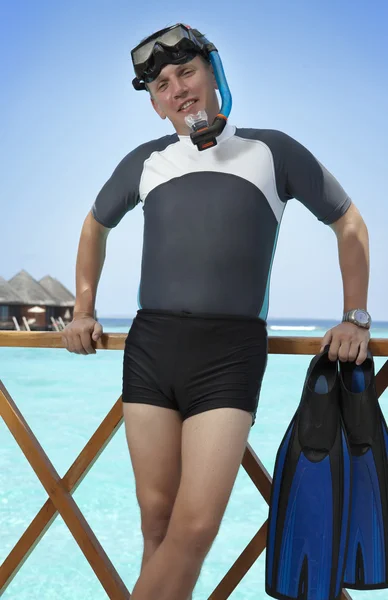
(348, 342)
(119, 195)
(353, 252)
(77, 336)
(90, 261)
(300, 175)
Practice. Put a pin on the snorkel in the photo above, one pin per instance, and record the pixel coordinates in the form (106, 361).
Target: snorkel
(177, 45)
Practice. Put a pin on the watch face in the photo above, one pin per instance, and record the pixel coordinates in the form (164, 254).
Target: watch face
(361, 316)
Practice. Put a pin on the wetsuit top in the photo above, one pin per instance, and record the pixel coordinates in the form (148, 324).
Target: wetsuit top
(211, 218)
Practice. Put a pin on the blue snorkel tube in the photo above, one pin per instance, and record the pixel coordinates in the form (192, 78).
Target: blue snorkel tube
(223, 87)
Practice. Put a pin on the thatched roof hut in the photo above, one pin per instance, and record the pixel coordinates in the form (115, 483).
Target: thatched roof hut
(30, 291)
(8, 295)
(58, 291)
(41, 305)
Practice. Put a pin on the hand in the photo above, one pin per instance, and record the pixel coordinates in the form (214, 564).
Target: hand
(348, 343)
(77, 337)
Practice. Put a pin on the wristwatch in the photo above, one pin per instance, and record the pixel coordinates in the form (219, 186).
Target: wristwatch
(359, 317)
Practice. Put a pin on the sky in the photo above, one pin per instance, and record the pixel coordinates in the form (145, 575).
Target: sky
(316, 70)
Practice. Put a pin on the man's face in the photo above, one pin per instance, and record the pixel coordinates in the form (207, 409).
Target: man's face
(177, 85)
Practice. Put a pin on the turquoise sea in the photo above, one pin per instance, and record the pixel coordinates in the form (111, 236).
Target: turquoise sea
(64, 397)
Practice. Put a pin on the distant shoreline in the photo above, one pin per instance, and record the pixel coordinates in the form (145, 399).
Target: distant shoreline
(291, 323)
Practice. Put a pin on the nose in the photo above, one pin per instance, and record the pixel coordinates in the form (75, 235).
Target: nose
(179, 87)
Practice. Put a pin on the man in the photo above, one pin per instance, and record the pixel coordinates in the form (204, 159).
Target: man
(196, 353)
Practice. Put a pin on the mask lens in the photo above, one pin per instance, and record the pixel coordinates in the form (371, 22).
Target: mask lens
(169, 38)
(172, 37)
(142, 54)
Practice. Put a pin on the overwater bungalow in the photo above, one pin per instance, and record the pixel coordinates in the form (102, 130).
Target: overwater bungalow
(26, 303)
(10, 303)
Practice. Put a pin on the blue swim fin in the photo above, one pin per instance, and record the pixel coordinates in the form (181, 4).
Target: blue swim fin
(367, 557)
(310, 501)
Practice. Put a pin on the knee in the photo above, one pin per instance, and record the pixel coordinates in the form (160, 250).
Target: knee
(155, 513)
(195, 534)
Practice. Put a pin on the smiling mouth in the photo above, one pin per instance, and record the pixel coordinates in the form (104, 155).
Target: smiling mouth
(186, 106)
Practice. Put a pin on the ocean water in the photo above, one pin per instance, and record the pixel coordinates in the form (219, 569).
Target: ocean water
(63, 398)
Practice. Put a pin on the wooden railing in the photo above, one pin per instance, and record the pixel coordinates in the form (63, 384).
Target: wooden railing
(60, 500)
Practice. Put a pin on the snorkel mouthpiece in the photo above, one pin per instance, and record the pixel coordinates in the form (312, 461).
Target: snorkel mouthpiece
(201, 135)
(197, 121)
(205, 136)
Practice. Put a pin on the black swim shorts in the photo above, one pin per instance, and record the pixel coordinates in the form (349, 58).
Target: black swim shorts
(194, 362)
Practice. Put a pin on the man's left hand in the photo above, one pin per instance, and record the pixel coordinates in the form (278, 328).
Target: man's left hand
(347, 342)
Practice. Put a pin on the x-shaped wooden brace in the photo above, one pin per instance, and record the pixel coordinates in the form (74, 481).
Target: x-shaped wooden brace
(60, 499)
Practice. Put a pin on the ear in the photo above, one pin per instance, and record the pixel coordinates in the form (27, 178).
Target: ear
(161, 114)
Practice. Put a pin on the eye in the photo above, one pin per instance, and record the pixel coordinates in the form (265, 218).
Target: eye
(162, 86)
(187, 72)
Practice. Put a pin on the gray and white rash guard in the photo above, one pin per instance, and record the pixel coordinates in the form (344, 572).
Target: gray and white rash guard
(211, 218)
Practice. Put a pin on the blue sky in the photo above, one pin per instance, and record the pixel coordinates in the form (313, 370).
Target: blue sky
(316, 70)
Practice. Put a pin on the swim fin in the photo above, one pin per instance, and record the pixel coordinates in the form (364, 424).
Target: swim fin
(367, 558)
(310, 499)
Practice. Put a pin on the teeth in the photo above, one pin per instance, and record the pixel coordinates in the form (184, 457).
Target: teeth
(187, 104)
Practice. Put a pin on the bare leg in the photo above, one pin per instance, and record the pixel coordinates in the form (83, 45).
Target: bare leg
(154, 436)
(149, 550)
(210, 463)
